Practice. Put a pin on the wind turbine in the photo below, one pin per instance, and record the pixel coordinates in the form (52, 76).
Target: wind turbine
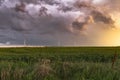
(25, 40)
(25, 35)
(74, 43)
(59, 43)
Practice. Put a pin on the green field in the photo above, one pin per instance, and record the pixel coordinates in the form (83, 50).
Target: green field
(59, 63)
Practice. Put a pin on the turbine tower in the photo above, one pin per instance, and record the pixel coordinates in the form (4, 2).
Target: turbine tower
(24, 39)
(25, 42)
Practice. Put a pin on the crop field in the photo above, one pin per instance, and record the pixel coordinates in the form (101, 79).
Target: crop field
(60, 63)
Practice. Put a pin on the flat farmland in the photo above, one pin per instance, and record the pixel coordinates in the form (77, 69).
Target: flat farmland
(60, 63)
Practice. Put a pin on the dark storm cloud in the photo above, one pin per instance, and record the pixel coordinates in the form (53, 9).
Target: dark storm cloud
(65, 8)
(21, 22)
(55, 24)
(102, 17)
(49, 25)
(50, 2)
(80, 4)
(79, 25)
(97, 14)
(12, 20)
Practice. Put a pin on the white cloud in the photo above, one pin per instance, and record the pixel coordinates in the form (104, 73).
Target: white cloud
(32, 8)
(9, 3)
(97, 2)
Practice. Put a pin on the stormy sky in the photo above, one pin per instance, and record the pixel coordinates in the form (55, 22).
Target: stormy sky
(59, 22)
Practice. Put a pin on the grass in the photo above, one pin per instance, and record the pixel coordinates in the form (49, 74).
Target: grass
(59, 63)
